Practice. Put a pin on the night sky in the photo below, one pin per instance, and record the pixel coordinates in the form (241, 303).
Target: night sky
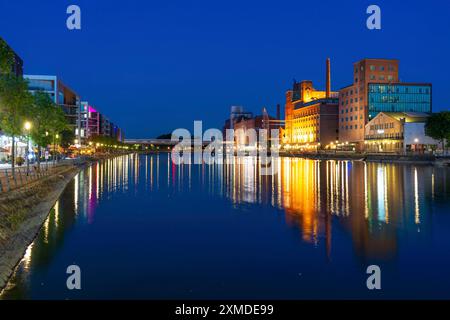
(153, 66)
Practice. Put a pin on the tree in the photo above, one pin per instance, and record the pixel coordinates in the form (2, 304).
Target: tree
(14, 102)
(42, 112)
(165, 136)
(67, 137)
(6, 58)
(438, 127)
(56, 124)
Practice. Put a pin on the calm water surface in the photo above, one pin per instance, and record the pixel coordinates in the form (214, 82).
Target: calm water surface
(140, 227)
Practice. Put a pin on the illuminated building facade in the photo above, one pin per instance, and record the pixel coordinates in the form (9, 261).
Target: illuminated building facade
(93, 121)
(399, 97)
(311, 116)
(376, 88)
(97, 124)
(398, 132)
(242, 126)
(353, 108)
(63, 96)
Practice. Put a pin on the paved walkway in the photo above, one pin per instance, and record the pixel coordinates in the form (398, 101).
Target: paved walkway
(8, 165)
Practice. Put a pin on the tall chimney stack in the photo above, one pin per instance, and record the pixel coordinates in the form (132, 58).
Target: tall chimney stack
(278, 112)
(328, 79)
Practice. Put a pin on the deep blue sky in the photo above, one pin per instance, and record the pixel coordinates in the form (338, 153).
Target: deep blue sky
(153, 66)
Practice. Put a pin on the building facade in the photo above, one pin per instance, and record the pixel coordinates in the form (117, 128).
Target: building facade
(63, 96)
(237, 114)
(244, 127)
(97, 124)
(399, 97)
(311, 116)
(353, 106)
(398, 132)
(376, 88)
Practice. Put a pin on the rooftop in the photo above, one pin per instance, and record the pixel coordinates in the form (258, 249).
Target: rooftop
(408, 116)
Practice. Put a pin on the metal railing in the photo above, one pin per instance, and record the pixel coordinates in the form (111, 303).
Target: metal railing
(20, 178)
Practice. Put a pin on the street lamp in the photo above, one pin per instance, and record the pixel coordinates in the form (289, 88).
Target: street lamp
(27, 127)
(55, 137)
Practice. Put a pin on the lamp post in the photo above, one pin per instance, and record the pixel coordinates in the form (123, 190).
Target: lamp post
(46, 153)
(27, 127)
(416, 145)
(55, 137)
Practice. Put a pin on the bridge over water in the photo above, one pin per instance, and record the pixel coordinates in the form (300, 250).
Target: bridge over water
(158, 142)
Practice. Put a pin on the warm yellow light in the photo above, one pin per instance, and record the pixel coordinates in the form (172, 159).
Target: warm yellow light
(27, 125)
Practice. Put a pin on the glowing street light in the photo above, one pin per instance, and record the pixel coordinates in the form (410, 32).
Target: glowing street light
(27, 127)
(55, 137)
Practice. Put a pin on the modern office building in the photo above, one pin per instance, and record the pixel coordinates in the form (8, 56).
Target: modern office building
(399, 97)
(376, 88)
(398, 132)
(97, 124)
(92, 120)
(105, 126)
(311, 116)
(63, 96)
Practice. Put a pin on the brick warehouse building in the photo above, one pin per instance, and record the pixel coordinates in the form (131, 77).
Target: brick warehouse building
(311, 116)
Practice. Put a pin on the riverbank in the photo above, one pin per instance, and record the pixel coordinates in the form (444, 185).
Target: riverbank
(25, 209)
(22, 213)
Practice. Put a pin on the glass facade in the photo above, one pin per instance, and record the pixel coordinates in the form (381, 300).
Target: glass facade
(398, 98)
(37, 84)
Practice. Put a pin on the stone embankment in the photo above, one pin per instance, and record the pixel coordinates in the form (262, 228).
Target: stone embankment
(22, 213)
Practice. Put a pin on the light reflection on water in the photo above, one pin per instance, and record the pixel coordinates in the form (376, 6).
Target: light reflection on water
(373, 209)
